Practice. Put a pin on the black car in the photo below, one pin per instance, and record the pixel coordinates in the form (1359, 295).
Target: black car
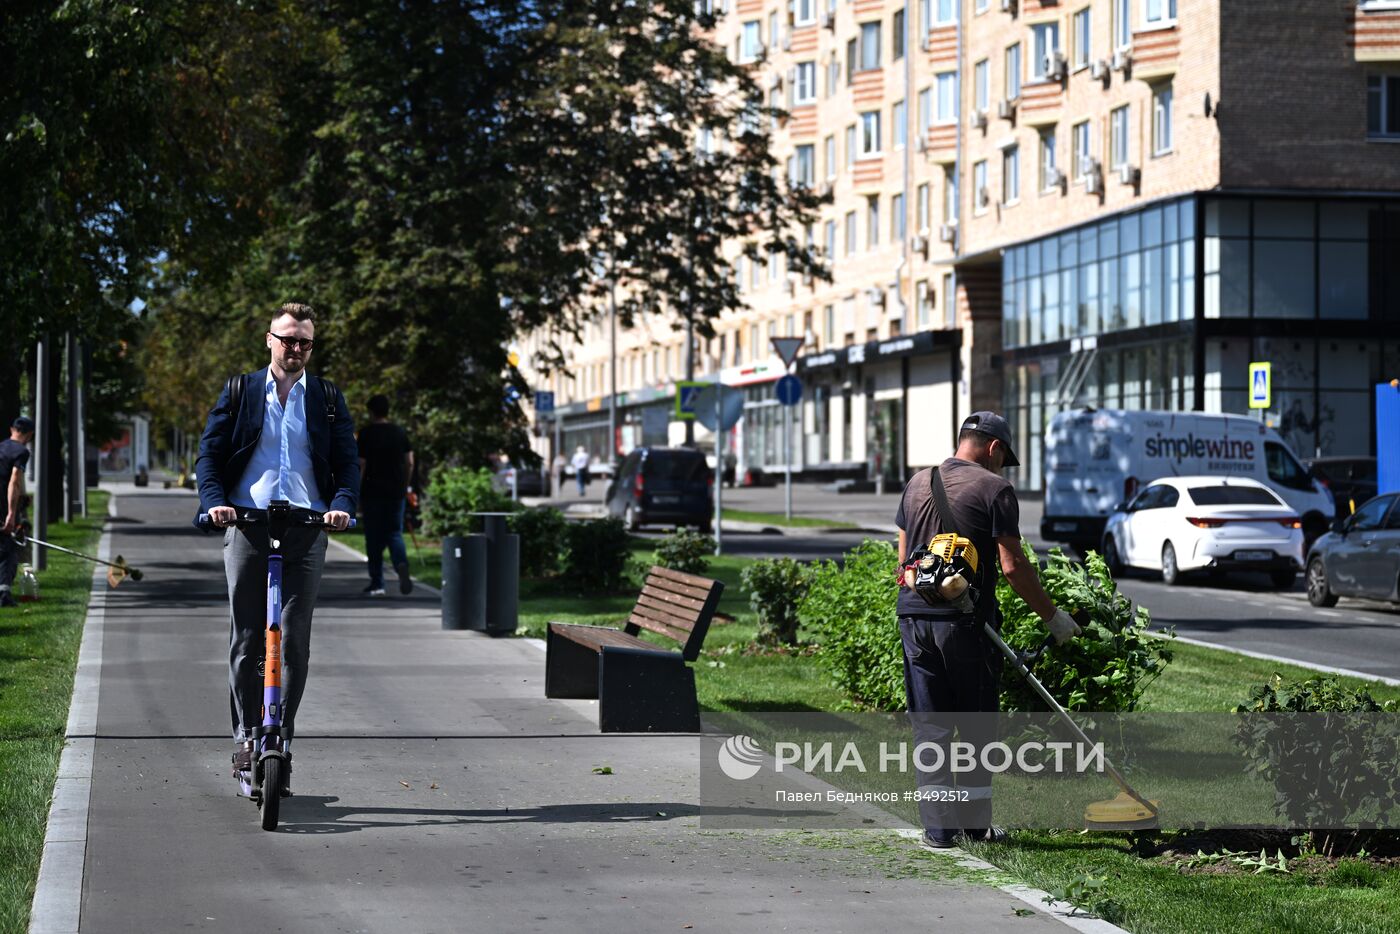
(1352, 480)
(669, 486)
(1360, 557)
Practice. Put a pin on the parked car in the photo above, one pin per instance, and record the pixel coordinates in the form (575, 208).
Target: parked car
(1095, 458)
(1352, 480)
(673, 486)
(1181, 524)
(1360, 557)
(528, 481)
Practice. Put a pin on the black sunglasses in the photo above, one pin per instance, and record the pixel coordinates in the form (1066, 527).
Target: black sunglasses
(293, 343)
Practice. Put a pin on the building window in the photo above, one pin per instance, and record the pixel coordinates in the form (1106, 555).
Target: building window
(950, 196)
(833, 75)
(852, 61)
(805, 88)
(869, 47)
(829, 325)
(1049, 176)
(1011, 175)
(850, 232)
(1119, 153)
(1383, 106)
(829, 151)
(1162, 120)
(870, 133)
(804, 12)
(773, 28)
(980, 195)
(1158, 13)
(925, 111)
(829, 232)
(981, 85)
(922, 206)
(923, 304)
(805, 166)
(850, 146)
(947, 84)
(945, 12)
(950, 300)
(1122, 24)
(897, 39)
(751, 41)
(982, 5)
(897, 221)
(1083, 149)
(1045, 42)
(1013, 72)
(1083, 38)
(872, 222)
(899, 125)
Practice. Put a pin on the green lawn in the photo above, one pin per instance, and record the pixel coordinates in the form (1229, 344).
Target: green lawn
(796, 522)
(38, 654)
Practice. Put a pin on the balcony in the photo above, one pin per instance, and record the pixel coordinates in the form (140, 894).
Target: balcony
(1375, 32)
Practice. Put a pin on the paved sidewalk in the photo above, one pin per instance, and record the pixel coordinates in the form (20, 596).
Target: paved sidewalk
(438, 790)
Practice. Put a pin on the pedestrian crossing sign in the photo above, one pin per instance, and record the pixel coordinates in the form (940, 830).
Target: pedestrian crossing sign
(1260, 386)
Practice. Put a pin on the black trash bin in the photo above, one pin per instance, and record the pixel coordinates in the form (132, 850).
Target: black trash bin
(464, 582)
(502, 574)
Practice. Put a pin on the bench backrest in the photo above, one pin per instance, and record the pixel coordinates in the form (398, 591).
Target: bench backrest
(678, 606)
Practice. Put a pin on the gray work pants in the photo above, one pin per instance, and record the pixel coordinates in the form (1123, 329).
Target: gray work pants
(245, 565)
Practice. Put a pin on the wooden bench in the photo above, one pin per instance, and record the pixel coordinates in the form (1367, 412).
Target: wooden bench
(641, 687)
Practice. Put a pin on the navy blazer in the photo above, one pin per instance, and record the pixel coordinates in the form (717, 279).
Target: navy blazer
(230, 438)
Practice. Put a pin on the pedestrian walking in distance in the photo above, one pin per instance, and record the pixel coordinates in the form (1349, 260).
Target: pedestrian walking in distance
(950, 666)
(14, 455)
(580, 464)
(281, 434)
(386, 477)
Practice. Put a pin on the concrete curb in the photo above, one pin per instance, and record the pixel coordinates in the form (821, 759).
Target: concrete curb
(58, 894)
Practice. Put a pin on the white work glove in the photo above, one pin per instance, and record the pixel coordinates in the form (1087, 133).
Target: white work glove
(1063, 627)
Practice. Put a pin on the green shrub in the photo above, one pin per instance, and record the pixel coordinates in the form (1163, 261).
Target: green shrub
(542, 532)
(851, 608)
(454, 493)
(686, 551)
(596, 554)
(1107, 667)
(1329, 750)
(776, 587)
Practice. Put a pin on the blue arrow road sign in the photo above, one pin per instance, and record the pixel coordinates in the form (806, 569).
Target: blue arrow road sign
(788, 390)
(544, 403)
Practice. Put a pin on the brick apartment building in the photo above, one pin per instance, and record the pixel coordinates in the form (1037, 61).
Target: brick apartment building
(1044, 204)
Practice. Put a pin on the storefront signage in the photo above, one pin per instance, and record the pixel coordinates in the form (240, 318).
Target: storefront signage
(873, 351)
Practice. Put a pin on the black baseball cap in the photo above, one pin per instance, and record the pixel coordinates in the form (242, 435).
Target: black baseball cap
(994, 426)
(24, 424)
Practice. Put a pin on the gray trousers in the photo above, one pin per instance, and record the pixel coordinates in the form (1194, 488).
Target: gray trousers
(245, 565)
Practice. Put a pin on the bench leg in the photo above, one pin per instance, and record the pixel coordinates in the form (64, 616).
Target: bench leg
(570, 669)
(645, 692)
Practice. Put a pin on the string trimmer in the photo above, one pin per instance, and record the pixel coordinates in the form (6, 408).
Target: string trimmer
(1129, 810)
(119, 572)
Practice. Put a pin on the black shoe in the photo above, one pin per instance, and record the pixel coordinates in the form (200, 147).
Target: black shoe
(943, 841)
(7, 599)
(242, 758)
(405, 581)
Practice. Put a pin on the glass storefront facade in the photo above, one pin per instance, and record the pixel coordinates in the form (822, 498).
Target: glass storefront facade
(1311, 285)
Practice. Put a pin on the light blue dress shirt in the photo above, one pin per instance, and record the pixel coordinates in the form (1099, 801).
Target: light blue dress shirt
(281, 464)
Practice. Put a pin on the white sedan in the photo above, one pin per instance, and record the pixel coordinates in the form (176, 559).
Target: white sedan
(1181, 524)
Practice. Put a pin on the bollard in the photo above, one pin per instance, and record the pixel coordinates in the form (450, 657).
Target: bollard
(464, 582)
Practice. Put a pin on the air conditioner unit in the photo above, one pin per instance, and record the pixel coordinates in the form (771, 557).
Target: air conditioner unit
(1054, 178)
(876, 297)
(984, 197)
(924, 43)
(1008, 6)
(1006, 109)
(826, 189)
(1122, 60)
(1088, 166)
(919, 245)
(829, 21)
(979, 119)
(787, 40)
(1054, 66)
(1093, 184)
(1129, 174)
(792, 76)
(920, 143)
(948, 232)
(1098, 69)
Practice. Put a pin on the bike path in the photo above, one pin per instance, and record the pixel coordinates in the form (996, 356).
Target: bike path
(437, 790)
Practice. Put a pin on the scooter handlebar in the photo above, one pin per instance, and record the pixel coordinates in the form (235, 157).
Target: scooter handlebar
(306, 518)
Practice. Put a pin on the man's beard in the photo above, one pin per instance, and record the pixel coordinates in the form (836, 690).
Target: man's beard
(290, 365)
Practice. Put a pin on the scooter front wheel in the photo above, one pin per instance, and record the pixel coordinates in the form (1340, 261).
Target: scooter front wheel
(270, 803)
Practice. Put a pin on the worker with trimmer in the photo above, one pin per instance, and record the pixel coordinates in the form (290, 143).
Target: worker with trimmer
(955, 521)
(14, 455)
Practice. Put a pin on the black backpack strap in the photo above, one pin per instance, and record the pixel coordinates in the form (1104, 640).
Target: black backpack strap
(331, 393)
(233, 388)
(940, 499)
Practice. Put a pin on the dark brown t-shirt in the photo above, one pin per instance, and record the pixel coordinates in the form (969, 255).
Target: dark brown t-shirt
(984, 509)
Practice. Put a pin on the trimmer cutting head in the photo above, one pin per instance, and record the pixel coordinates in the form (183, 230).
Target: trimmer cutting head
(1121, 813)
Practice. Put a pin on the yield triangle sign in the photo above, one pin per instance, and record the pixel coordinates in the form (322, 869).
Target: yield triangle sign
(786, 348)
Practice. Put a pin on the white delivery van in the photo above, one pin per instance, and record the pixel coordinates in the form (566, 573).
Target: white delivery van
(1097, 459)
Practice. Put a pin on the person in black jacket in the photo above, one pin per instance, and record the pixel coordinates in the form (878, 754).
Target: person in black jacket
(288, 436)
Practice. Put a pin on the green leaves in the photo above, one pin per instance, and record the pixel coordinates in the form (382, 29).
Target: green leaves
(776, 586)
(851, 607)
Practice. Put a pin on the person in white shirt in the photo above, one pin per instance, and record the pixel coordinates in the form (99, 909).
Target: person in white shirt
(580, 464)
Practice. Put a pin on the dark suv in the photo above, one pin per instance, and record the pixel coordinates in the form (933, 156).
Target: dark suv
(670, 486)
(1352, 480)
